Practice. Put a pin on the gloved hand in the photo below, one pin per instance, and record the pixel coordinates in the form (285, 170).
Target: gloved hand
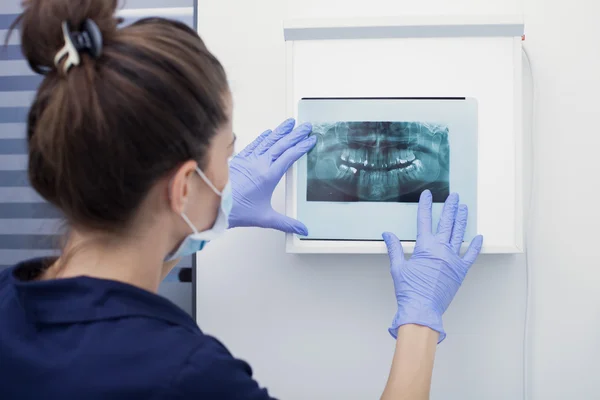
(426, 284)
(256, 171)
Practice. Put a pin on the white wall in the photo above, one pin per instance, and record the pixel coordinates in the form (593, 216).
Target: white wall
(316, 326)
(564, 43)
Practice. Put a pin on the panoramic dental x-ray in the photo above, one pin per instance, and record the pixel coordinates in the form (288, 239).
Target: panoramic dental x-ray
(378, 161)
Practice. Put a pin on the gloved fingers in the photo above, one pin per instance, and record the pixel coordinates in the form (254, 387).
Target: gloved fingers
(473, 250)
(286, 224)
(460, 226)
(289, 141)
(250, 148)
(446, 223)
(282, 130)
(394, 247)
(283, 163)
(424, 213)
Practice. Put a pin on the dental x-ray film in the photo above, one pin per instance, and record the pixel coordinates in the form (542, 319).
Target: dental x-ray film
(375, 156)
(389, 161)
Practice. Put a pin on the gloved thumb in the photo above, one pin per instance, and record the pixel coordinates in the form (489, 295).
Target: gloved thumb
(394, 247)
(286, 224)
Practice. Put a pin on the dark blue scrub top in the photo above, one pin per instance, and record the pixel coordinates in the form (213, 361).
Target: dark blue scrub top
(85, 338)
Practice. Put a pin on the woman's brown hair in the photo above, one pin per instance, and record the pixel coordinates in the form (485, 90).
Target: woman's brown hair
(103, 133)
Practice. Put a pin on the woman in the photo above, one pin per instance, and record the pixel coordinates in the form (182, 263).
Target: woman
(130, 135)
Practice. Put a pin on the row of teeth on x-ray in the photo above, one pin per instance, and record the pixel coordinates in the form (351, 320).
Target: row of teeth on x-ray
(381, 177)
(377, 184)
(373, 159)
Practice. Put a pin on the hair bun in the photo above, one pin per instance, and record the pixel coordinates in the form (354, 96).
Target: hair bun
(41, 22)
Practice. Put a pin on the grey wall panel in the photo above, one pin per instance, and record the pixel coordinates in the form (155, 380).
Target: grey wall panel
(16, 68)
(41, 226)
(10, 7)
(10, 257)
(11, 52)
(129, 4)
(13, 114)
(16, 99)
(186, 19)
(30, 227)
(28, 210)
(13, 162)
(14, 38)
(19, 195)
(6, 20)
(13, 146)
(14, 7)
(19, 83)
(14, 179)
(178, 293)
(13, 130)
(41, 242)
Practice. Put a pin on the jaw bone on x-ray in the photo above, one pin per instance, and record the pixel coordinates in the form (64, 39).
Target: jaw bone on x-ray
(378, 161)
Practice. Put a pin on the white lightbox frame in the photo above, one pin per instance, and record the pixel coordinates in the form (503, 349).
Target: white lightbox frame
(424, 28)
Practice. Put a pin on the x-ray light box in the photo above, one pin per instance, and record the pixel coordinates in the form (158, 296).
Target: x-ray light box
(399, 106)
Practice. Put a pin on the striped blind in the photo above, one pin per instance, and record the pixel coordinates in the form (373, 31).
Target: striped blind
(29, 227)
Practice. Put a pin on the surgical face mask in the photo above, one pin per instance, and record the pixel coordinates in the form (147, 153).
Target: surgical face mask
(196, 241)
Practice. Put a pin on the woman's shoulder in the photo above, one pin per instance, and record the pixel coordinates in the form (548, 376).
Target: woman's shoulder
(211, 371)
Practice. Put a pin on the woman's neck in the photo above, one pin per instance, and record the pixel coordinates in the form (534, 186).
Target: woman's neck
(135, 261)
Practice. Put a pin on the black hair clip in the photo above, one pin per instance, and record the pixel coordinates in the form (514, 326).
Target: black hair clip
(88, 40)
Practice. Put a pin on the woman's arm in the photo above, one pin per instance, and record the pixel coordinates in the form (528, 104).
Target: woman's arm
(425, 286)
(410, 377)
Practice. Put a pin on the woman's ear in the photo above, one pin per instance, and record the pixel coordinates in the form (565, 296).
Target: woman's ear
(179, 187)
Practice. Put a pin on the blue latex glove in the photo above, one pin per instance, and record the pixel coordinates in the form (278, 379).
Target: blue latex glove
(426, 284)
(256, 171)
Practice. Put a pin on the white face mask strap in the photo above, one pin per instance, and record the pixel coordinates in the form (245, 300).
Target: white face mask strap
(208, 182)
(187, 221)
